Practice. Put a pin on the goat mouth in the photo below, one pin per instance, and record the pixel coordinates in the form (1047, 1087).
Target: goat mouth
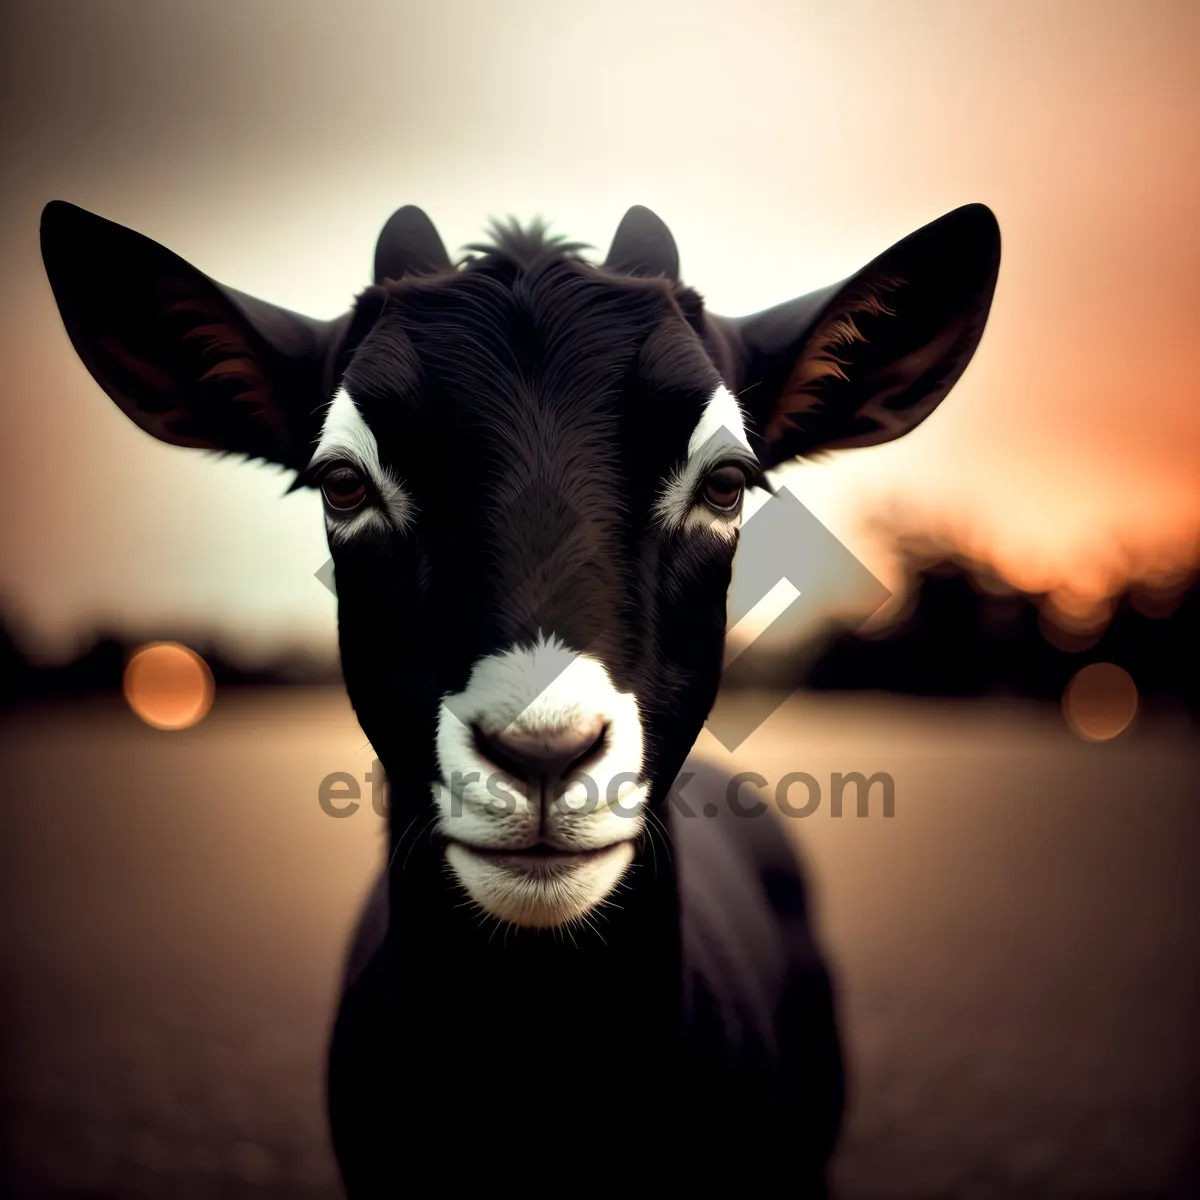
(539, 858)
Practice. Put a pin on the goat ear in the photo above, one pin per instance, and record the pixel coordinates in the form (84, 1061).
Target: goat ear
(409, 245)
(190, 361)
(867, 360)
(643, 245)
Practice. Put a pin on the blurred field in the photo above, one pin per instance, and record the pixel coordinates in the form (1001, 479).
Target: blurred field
(1018, 946)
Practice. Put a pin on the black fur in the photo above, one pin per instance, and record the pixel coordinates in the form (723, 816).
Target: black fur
(533, 404)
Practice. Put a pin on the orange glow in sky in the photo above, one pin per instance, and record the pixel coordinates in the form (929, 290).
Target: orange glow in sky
(786, 142)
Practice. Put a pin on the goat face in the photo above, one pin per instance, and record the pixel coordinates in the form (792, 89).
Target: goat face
(543, 459)
(532, 471)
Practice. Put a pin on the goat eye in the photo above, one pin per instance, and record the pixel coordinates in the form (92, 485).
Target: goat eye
(343, 489)
(723, 489)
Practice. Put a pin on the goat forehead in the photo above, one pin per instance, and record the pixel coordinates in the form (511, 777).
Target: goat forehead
(463, 348)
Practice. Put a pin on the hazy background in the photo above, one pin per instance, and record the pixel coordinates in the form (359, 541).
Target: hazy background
(785, 143)
(1016, 949)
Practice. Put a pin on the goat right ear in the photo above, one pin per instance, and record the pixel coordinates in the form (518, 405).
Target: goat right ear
(867, 360)
(190, 361)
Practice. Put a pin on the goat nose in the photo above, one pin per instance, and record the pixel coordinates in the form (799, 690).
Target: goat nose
(532, 755)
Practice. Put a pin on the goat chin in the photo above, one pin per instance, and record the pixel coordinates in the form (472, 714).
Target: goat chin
(539, 896)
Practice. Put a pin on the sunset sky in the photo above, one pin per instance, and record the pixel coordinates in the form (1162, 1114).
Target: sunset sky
(785, 143)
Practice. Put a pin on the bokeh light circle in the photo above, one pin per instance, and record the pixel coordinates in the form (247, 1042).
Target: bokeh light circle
(1100, 702)
(168, 685)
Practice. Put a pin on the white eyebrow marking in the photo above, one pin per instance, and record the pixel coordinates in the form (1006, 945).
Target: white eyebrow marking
(346, 436)
(719, 437)
(721, 420)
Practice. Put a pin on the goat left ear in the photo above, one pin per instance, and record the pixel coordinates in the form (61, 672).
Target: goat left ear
(643, 245)
(409, 245)
(187, 359)
(867, 360)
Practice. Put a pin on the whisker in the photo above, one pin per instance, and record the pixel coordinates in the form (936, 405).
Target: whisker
(399, 842)
(664, 832)
(415, 840)
(591, 924)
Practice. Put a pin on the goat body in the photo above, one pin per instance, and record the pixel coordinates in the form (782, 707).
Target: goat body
(702, 1006)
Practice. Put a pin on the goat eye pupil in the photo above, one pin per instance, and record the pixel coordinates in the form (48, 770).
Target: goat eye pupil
(343, 490)
(723, 488)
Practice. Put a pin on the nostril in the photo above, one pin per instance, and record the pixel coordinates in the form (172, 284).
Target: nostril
(528, 755)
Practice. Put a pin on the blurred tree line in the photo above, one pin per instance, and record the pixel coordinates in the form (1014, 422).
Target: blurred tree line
(961, 631)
